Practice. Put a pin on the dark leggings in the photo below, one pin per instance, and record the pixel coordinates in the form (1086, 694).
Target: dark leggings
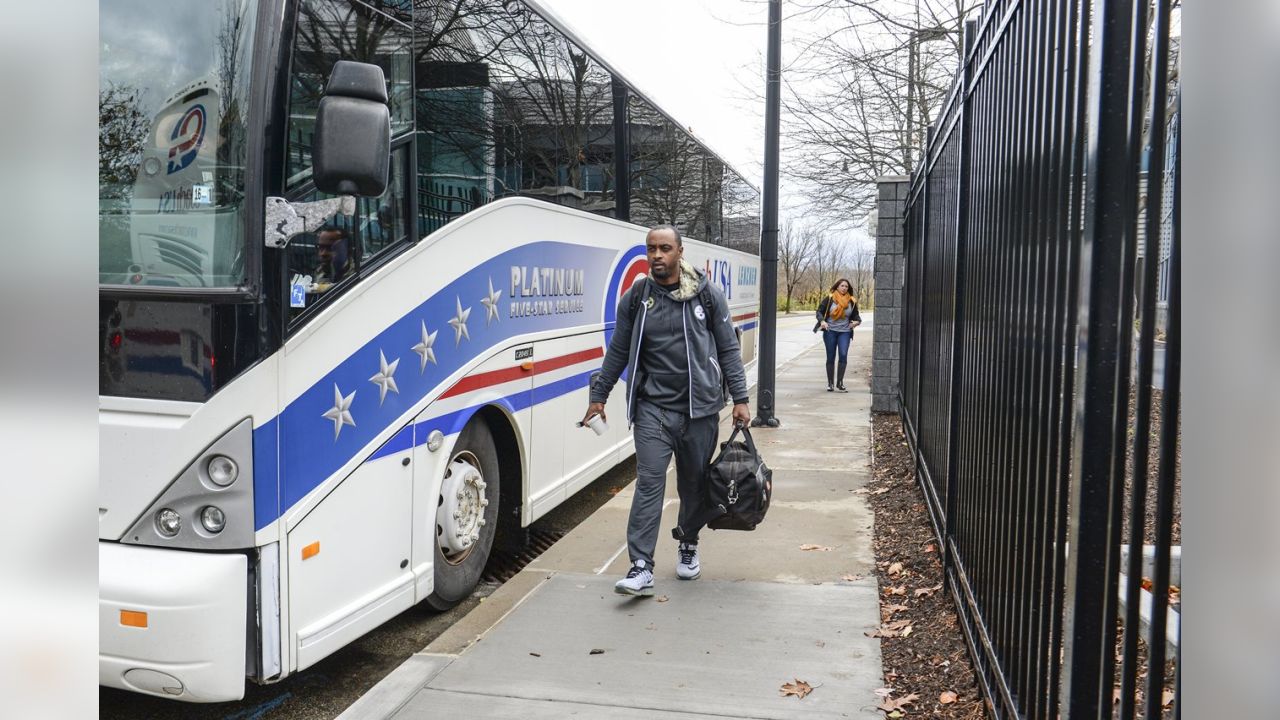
(834, 340)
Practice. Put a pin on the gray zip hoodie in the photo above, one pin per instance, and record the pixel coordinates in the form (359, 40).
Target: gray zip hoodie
(713, 354)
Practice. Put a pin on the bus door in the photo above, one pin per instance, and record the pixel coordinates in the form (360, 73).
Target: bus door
(346, 471)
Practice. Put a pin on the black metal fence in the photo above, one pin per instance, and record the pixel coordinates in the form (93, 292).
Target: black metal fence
(1024, 302)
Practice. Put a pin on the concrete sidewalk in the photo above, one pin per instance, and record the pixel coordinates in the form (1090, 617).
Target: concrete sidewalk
(555, 641)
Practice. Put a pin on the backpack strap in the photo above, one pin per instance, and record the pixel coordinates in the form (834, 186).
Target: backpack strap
(636, 298)
(708, 304)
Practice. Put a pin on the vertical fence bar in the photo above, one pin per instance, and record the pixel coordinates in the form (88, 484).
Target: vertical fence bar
(958, 326)
(1154, 153)
(1074, 127)
(1101, 370)
(1168, 457)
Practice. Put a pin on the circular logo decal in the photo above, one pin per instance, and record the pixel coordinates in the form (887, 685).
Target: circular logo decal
(699, 312)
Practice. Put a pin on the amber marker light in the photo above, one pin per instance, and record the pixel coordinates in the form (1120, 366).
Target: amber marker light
(311, 550)
(133, 618)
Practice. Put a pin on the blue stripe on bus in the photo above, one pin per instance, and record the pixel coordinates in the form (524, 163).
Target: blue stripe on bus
(748, 326)
(399, 442)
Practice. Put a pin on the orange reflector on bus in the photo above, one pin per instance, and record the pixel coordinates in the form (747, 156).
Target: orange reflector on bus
(311, 550)
(526, 365)
(133, 618)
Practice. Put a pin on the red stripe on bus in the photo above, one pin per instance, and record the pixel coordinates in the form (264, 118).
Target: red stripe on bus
(748, 316)
(472, 383)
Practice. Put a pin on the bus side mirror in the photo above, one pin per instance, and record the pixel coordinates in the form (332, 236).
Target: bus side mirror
(351, 154)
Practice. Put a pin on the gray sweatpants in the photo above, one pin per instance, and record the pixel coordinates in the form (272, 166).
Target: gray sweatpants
(659, 434)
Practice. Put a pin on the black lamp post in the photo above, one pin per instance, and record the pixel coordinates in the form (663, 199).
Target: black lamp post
(769, 230)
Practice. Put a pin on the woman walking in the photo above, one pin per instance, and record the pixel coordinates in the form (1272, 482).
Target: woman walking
(838, 316)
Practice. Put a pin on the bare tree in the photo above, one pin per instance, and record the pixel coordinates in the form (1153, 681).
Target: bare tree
(861, 272)
(122, 132)
(796, 249)
(830, 257)
(863, 84)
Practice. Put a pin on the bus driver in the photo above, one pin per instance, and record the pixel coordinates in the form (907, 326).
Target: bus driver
(333, 248)
(677, 339)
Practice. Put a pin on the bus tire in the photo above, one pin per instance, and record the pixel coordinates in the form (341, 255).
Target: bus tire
(458, 569)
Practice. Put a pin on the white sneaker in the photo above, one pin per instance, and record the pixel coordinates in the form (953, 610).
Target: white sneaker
(687, 566)
(639, 581)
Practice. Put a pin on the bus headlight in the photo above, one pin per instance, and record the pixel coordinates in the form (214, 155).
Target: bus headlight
(168, 522)
(222, 470)
(210, 504)
(213, 519)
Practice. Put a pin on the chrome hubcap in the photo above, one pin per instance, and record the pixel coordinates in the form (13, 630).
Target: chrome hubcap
(460, 514)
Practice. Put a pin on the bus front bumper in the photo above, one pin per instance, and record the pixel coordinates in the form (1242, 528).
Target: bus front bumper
(172, 623)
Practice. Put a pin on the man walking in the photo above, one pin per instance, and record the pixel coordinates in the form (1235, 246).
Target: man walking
(675, 335)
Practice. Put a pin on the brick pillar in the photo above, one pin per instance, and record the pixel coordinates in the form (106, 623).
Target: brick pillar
(889, 270)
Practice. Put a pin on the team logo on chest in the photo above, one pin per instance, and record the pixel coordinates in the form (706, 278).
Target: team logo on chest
(648, 303)
(699, 313)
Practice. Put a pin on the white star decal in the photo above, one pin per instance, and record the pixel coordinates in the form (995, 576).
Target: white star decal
(425, 353)
(459, 323)
(385, 379)
(490, 303)
(340, 413)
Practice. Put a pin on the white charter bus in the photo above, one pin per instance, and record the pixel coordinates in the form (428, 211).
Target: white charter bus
(315, 412)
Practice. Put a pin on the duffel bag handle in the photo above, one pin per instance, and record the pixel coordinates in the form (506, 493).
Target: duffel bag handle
(751, 444)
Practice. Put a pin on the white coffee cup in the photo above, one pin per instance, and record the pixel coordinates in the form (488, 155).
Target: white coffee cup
(597, 424)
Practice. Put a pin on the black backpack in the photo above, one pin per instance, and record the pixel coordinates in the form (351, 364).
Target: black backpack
(739, 486)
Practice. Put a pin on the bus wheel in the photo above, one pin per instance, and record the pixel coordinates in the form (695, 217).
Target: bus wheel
(466, 516)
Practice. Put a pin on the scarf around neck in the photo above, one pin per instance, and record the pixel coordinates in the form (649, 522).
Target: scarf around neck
(840, 303)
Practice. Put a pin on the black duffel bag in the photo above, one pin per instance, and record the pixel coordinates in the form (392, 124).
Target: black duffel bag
(739, 485)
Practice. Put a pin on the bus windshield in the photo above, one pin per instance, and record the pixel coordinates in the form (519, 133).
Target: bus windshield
(172, 132)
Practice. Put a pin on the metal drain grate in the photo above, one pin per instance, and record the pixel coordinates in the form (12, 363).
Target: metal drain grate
(504, 565)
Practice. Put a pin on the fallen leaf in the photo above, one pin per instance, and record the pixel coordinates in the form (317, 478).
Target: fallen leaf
(891, 609)
(799, 688)
(883, 692)
(663, 598)
(926, 592)
(930, 548)
(860, 491)
(820, 548)
(881, 491)
(897, 628)
(899, 590)
(895, 569)
(819, 643)
(1166, 698)
(850, 578)
(891, 706)
(596, 651)
(947, 697)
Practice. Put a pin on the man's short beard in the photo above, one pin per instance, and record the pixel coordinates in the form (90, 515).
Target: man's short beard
(664, 275)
